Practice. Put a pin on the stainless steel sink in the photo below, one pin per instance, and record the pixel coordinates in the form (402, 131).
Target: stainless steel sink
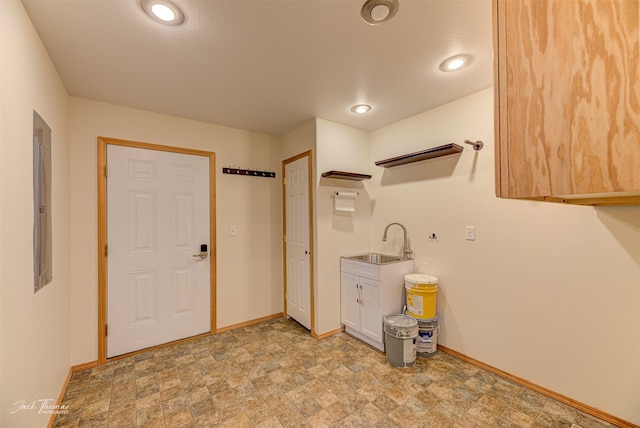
(375, 258)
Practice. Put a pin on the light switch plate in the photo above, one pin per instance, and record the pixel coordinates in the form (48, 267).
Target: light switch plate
(233, 231)
(470, 233)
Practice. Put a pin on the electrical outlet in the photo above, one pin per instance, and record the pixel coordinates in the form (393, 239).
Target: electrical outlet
(470, 233)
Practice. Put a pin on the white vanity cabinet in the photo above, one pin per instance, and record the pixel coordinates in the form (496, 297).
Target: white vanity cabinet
(369, 292)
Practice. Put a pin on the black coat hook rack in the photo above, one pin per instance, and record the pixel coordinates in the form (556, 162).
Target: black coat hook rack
(250, 172)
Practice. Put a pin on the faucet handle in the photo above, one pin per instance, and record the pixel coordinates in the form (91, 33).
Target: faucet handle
(408, 252)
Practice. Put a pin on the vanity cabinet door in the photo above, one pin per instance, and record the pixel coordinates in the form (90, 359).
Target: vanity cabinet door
(349, 301)
(371, 309)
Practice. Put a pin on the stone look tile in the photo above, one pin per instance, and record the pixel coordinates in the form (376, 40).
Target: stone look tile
(398, 394)
(514, 418)
(210, 419)
(146, 386)
(202, 407)
(95, 408)
(123, 423)
(272, 422)
(326, 399)
(493, 405)
(352, 421)
(259, 413)
(123, 412)
(148, 417)
(451, 409)
(481, 415)
(181, 418)
(527, 406)
(273, 374)
(320, 419)
(416, 406)
(403, 416)
(338, 411)
(585, 421)
(370, 414)
(171, 393)
(290, 417)
(174, 405)
(198, 394)
(239, 421)
(96, 419)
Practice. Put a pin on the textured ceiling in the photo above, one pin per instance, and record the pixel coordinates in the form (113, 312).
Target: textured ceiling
(268, 65)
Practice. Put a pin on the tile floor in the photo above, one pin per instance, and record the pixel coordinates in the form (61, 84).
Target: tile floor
(274, 374)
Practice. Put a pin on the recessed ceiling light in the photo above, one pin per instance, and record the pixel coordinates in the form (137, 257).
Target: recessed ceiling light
(455, 62)
(163, 11)
(376, 12)
(361, 108)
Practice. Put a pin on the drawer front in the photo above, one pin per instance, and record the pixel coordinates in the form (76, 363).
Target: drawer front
(363, 269)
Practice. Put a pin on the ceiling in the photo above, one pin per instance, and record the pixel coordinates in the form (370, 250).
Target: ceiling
(268, 65)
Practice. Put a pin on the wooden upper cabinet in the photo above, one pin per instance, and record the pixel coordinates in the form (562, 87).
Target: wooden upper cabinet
(567, 84)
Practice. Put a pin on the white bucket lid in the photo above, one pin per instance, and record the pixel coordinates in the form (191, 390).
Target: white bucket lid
(400, 321)
(420, 278)
(427, 320)
(401, 326)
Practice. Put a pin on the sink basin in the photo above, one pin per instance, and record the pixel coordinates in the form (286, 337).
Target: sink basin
(375, 258)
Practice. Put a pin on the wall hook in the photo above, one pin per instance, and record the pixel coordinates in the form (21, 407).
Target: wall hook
(249, 172)
(477, 145)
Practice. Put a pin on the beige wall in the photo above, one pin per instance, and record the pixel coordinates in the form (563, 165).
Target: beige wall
(34, 329)
(248, 265)
(343, 148)
(548, 292)
(299, 140)
(340, 148)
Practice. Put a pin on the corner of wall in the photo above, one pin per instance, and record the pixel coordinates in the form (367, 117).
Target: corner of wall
(35, 330)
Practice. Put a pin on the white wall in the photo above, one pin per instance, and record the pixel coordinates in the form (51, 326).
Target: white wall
(547, 292)
(34, 328)
(342, 148)
(299, 140)
(249, 268)
(339, 148)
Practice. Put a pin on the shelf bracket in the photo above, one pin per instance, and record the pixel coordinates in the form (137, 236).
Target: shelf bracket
(477, 145)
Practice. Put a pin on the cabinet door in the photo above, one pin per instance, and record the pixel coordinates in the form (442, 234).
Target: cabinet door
(349, 301)
(567, 111)
(371, 313)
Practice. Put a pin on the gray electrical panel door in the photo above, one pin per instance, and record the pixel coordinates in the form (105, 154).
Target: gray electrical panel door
(42, 257)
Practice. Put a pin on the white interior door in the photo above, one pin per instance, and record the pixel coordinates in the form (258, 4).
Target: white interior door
(157, 220)
(297, 241)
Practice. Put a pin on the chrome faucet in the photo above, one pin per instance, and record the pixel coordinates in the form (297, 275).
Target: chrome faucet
(407, 253)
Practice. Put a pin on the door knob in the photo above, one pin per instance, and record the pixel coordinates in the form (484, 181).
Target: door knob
(203, 252)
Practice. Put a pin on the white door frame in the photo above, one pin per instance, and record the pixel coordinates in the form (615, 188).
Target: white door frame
(102, 230)
(307, 154)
